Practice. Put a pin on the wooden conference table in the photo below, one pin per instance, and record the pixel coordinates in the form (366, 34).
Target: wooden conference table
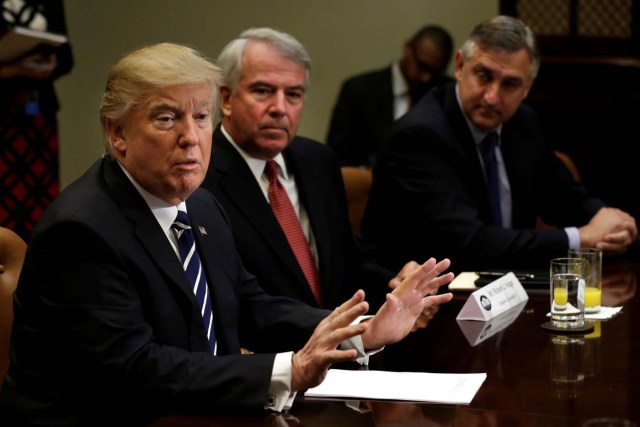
(533, 377)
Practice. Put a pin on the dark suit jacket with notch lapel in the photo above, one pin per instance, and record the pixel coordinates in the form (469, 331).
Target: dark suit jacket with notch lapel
(362, 115)
(363, 110)
(261, 242)
(429, 195)
(107, 328)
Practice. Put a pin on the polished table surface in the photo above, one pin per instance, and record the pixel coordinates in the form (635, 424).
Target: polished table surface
(534, 378)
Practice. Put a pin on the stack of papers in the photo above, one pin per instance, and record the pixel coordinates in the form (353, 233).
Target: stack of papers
(406, 386)
(464, 281)
(533, 280)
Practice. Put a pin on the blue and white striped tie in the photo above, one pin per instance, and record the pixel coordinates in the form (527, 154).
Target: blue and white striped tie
(193, 268)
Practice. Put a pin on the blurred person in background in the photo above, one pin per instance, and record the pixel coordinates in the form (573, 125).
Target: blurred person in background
(29, 178)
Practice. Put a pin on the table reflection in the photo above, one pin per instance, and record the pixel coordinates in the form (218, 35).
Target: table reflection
(619, 283)
(534, 378)
(593, 351)
(567, 364)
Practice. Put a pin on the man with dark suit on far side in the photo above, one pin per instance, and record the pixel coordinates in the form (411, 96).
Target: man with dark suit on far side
(133, 302)
(265, 78)
(472, 171)
(368, 103)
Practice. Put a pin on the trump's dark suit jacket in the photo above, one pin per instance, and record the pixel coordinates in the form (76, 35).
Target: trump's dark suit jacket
(260, 240)
(429, 196)
(107, 329)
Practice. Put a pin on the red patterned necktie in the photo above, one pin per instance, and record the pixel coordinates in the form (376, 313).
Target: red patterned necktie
(286, 216)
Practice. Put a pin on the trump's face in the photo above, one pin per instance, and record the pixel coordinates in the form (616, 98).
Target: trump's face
(165, 142)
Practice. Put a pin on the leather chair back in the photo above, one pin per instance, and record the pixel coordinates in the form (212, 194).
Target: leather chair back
(12, 251)
(357, 184)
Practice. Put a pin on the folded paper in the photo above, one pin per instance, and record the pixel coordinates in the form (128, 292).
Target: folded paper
(494, 299)
(475, 332)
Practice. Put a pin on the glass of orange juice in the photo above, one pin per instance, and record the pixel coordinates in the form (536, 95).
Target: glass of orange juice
(593, 277)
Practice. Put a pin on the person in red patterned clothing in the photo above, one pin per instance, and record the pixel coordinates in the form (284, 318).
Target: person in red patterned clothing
(28, 122)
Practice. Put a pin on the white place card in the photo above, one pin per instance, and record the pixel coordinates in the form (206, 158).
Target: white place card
(475, 332)
(493, 299)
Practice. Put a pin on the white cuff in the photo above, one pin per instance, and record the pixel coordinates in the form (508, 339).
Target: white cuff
(356, 343)
(280, 395)
(574, 237)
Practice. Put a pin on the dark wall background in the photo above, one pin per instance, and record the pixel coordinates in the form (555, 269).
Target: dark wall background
(587, 92)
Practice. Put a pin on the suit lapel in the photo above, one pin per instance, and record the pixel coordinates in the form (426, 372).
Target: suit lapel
(386, 98)
(461, 132)
(239, 184)
(146, 227)
(312, 193)
(460, 129)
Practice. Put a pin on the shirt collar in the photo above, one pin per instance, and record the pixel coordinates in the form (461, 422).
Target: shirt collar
(399, 84)
(164, 212)
(257, 165)
(477, 133)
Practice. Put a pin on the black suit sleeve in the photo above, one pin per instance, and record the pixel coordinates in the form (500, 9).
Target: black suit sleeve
(429, 199)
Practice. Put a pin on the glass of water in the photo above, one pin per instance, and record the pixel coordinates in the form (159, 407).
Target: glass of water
(567, 292)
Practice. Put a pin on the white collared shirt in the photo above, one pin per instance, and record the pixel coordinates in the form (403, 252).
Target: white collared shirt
(164, 212)
(401, 97)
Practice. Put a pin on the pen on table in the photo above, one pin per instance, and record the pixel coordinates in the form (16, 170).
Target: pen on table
(500, 274)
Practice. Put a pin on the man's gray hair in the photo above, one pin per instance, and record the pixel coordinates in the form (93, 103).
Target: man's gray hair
(230, 59)
(504, 33)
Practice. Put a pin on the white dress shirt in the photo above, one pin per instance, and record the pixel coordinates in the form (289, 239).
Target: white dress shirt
(401, 97)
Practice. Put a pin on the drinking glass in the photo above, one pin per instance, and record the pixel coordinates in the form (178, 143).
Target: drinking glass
(567, 292)
(593, 277)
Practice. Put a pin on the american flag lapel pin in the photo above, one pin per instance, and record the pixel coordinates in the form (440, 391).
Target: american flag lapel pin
(203, 232)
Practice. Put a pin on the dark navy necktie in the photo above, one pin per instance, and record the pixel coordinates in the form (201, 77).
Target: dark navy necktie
(488, 150)
(193, 268)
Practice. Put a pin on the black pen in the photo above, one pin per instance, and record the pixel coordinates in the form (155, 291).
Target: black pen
(519, 276)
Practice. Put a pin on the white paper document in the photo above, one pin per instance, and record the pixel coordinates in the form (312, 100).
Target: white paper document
(406, 386)
(464, 281)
